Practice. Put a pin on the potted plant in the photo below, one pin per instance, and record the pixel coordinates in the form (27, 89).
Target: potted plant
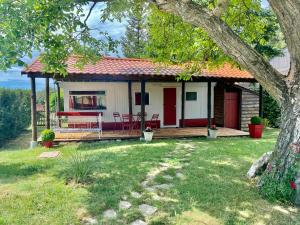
(256, 127)
(148, 134)
(47, 137)
(212, 132)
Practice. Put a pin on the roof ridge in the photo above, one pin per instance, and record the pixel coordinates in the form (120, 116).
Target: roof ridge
(127, 59)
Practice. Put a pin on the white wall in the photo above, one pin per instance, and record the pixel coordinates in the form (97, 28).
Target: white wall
(117, 98)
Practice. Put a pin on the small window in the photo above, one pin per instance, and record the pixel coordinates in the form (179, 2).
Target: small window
(191, 96)
(138, 98)
(87, 100)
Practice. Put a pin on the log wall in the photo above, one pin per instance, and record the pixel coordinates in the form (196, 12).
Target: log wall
(249, 108)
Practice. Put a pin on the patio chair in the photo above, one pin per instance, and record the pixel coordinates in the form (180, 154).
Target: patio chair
(117, 119)
(127, 121)
(153, 122)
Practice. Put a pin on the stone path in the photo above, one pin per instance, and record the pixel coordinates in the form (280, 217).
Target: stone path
(176, 159)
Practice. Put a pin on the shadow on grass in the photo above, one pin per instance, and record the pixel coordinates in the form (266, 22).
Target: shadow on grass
(11, 172)
(118, 169)
(216, 185)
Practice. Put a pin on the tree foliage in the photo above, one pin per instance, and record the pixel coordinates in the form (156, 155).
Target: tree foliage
(134, 41)
(57, 28)
(14, 113)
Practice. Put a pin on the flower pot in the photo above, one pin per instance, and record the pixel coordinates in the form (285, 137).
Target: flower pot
(148, 136)
(212, 133)
(256, 130)
(48, 144)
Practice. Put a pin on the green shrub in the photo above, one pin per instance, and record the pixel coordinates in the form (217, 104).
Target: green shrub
(80, 168)
(14, 113)
(265, 122)
(256, 120)
(48, 135)
(275, 190)
(271, 110)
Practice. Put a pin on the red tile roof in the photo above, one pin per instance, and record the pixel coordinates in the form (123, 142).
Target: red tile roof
(127, 66)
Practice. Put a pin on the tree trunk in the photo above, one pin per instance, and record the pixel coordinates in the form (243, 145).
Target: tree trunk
(289, 133)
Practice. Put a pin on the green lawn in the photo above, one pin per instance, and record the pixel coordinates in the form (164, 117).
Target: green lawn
(215, 189)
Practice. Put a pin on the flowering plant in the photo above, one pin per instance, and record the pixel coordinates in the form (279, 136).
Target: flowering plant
(148, 129)
(213, 127)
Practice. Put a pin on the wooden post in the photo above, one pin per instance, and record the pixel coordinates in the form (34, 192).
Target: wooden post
(261, 112)
(130, 97)
(182, 103)
(33, 113)
(143, 84)
(58, 97)
(209, 103)
(47, 104)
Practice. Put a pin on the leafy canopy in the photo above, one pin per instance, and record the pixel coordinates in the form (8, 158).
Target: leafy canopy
(58, 28)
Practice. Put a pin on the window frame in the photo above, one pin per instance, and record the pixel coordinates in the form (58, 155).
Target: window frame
(190, 100)
(146, 93)
(73, 94)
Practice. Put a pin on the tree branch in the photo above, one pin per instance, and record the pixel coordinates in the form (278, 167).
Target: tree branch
(288, 14)
(90, 12)
(221, 7)
(229, 42)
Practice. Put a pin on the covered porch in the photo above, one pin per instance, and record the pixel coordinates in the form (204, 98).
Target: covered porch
(121, 82)
(187, 132)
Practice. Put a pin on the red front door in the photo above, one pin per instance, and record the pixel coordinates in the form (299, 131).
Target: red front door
(169, 106)
(231, 110)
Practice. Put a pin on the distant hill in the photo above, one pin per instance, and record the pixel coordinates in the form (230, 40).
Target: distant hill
(12, 79)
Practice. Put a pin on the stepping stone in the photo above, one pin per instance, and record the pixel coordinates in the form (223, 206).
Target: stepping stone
(89, 221)
(147, 210)
(144, 183)
(138, 222)
(124, 205)
(180, 175)
(164, 164)
(150, 189)
(49, 154)
(167, 177)
(164, 186)
(110, 214)
(177, 167)
(136, 194)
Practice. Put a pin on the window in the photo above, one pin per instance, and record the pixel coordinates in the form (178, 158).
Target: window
(191, 96)
(87, 100)
(138, 98)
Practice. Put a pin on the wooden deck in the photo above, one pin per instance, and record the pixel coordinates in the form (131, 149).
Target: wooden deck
(158, 134)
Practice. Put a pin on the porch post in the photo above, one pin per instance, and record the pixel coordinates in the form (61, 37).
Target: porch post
(209, 103)
(47, 104)
(182, 103)
(58, 97)
(261, 113)
(130, 97)
(143, 84)
(33, 142)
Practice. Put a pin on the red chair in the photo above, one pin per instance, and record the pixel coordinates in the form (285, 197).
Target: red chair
(153, 122)
(117, 119)
(127, 121)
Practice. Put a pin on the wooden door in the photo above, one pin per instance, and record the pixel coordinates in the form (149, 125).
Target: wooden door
(231, 110)
(169, 106)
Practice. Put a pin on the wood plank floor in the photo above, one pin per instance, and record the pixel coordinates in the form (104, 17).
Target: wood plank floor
(159, 133)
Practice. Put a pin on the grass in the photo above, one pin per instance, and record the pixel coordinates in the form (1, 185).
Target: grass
(215, 189)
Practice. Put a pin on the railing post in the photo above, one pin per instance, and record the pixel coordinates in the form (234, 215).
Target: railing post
(182, 103)
(47, 103)
(143, 84)
(209, 104)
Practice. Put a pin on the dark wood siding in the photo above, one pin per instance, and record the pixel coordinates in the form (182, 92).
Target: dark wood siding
(219, 105)
(249, 107)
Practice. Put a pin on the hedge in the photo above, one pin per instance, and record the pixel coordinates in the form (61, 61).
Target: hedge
(14, 113)
(271, 110)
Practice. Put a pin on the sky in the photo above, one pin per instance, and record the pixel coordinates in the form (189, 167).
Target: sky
(12, 78)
